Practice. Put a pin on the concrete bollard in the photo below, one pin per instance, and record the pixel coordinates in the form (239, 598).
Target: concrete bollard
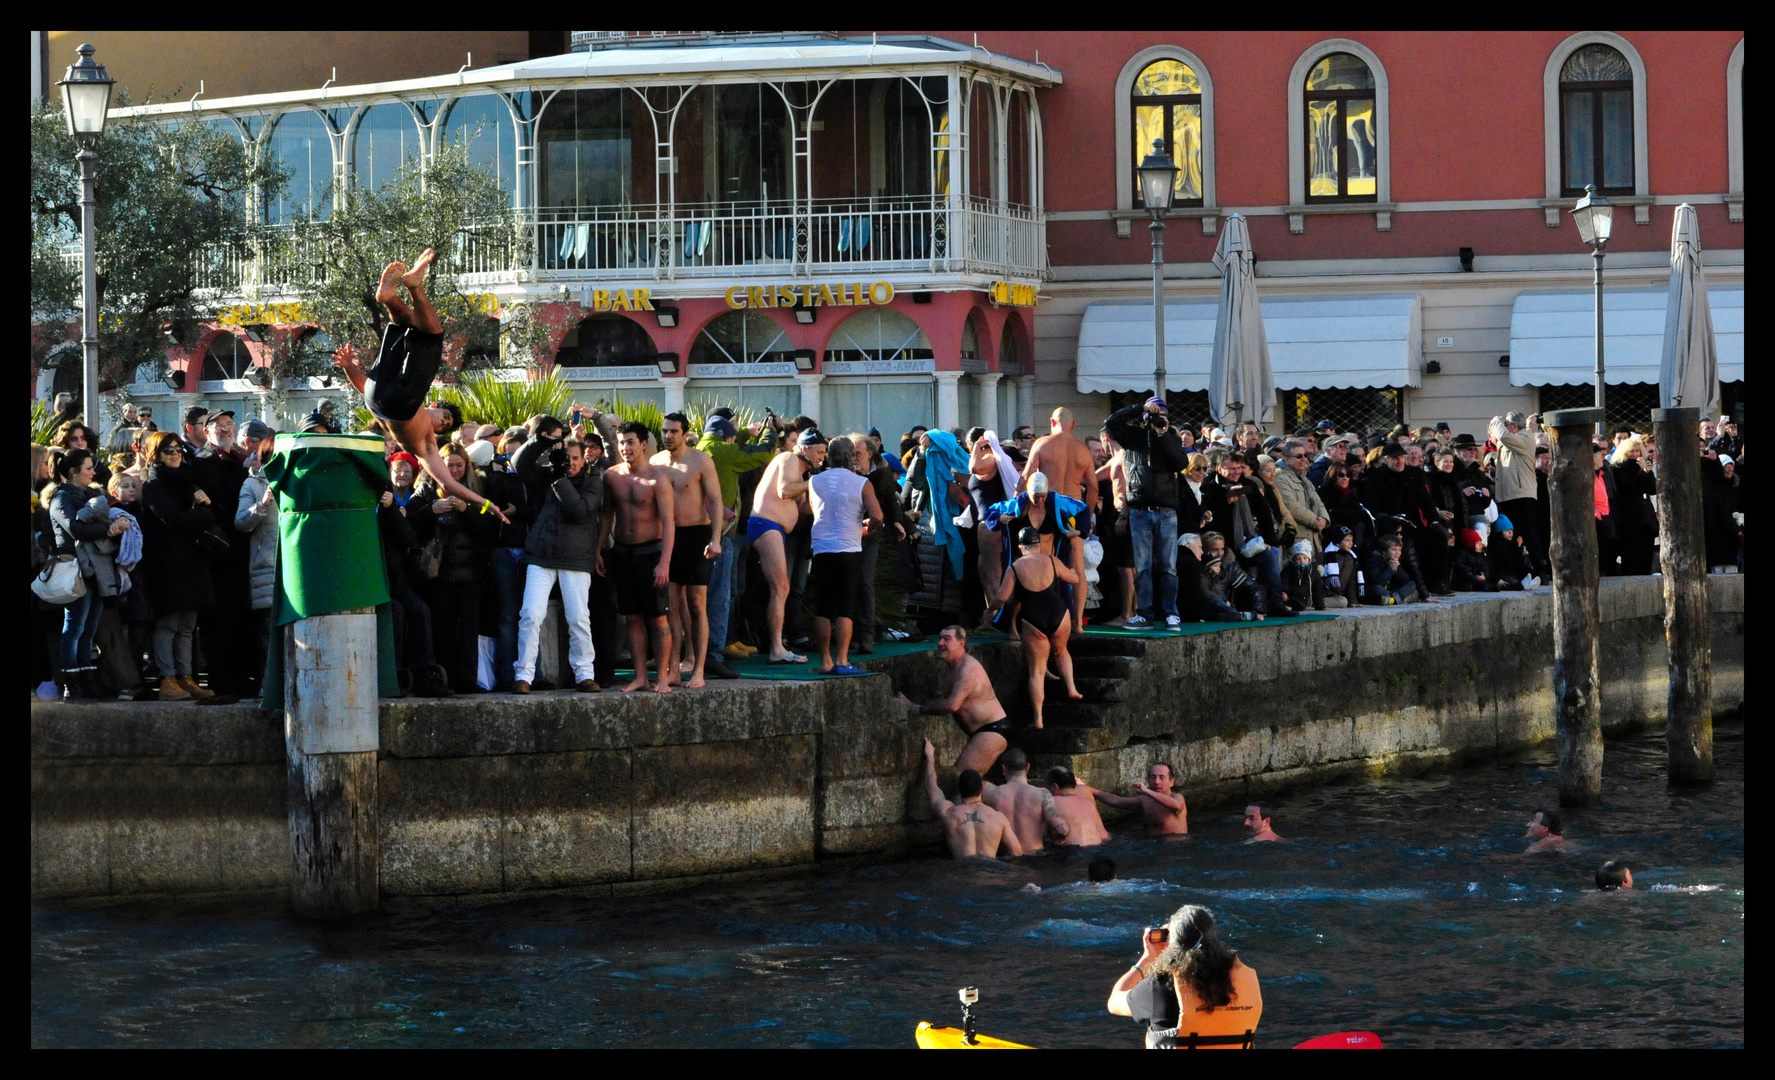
(1571, 489)
(330, 743)
(1688, 729)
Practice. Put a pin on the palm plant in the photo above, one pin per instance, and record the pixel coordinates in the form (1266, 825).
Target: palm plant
(42, 423)
(484, 398)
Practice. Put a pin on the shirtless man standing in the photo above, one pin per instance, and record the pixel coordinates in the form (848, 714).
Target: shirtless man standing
(776, 507)
(971, 827)
(1067, 463)
(968, 697)
(1030, 808)
(638, 506)
(1084, 827)
(1165, 812)
(695, 544)
(406, 365)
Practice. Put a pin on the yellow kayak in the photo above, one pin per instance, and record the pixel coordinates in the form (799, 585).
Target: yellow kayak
(951, 1038)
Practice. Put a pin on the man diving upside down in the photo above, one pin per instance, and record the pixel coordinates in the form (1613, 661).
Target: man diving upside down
(396, 388)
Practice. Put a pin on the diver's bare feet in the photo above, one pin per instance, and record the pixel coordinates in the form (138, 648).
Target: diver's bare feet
(386, 290)
(1073, 693)
(1038, 723)
(695, 683)
(662, 688)
(640, 683)
(415, 277)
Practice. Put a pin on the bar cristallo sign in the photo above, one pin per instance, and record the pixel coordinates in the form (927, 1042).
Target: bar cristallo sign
(843, 294)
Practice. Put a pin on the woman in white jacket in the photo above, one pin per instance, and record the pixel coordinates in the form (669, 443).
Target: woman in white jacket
(257, 517)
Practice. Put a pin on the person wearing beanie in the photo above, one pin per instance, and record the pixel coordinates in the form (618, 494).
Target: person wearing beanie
(1303, 585)
(1508, 559)
(1472, 570)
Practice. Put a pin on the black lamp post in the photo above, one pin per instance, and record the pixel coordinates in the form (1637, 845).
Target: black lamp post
(1595, 216)
(1158, 177)
(86, 97)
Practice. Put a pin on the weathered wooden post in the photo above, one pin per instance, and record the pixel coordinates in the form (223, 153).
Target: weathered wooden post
(1688, 725)
(330, 577)
(1576, 685)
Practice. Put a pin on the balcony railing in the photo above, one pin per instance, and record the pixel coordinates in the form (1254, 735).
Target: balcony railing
(685, 241)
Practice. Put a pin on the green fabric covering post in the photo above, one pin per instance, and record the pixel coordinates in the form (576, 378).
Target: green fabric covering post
(329, 554)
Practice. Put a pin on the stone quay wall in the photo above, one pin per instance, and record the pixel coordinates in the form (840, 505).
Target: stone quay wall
(494, 795)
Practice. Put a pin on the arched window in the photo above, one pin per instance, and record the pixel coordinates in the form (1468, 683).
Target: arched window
(1342, 142)
(1596, 121)
(878, 334)
(483, 124)
(1166, 107)
(226, 358)
(384, 141)
(300, 142)
(606, 341)
(742, 337)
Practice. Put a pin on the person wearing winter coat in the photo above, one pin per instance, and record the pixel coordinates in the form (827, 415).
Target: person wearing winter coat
(1343, 507)
(1722, 504)
(174, 512)
(65, 500)
(255, 515)
(457, 542)
(562, 549)
(416, 663)
(1302, 587)
(1636, 521)
(1472, 570)
(1198, 589)
(1343, 585)
(1508, 556)
(1388, 582)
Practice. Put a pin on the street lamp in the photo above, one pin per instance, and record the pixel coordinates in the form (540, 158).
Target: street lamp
(1595, 217)
(1158, 177)
(86, 97)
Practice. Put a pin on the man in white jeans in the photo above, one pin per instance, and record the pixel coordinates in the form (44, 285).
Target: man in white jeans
(561, 548)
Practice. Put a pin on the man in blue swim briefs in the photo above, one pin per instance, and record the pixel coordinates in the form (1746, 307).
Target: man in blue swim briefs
(782, 492)
(407, 363)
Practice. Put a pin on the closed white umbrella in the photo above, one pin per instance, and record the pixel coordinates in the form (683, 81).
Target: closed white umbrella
(1241, 385)
(1689, 375)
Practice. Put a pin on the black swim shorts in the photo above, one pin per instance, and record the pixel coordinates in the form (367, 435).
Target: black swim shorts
(689, 567)
(631, 569)
(405, 367)
(1001, 726)
(838, 579)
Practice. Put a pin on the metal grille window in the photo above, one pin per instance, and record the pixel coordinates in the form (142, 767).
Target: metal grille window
(1182, 406)
(227, 358)
(879, 335)
(1628, 403)
(1360, 409)
(1343, 145)
(1596, 121)
(1167, 106)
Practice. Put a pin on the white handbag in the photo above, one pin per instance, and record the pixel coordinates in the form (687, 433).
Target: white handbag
(60, 582)
(1491, 511)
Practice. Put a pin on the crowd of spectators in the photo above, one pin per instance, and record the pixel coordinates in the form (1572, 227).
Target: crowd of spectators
(1150, 523)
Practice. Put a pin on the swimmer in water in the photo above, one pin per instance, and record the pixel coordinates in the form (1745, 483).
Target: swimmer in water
(1258, 818)
(971, 827)
(1614, 875)
(1546, 830)
(1164, 810)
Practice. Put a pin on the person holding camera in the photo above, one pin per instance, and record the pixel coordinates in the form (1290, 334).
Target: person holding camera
(1152, 456)
(561, 547)
(1188, 988)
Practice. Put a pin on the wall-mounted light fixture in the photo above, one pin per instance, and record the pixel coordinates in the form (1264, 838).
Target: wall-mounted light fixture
(1434, 367)
(1504, 361)
(1467, 260)
(667, 316)
(668, 363)
(804, 359)
(804, 314)
(921, 297)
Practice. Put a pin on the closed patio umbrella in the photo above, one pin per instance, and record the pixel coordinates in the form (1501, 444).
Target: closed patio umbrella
(1689, 375)
(1240, 384)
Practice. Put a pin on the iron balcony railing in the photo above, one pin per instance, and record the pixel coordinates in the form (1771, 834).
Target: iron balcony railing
(682, 241)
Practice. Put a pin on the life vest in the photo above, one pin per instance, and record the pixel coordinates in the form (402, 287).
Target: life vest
(1230, 1027)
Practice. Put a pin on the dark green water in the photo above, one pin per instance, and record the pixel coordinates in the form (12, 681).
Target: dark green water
(1404, 906)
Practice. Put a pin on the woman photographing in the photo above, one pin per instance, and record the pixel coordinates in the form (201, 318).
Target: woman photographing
(1190, 990)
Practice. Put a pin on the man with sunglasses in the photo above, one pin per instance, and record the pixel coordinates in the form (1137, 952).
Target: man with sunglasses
(406, 366)
(1300, 499)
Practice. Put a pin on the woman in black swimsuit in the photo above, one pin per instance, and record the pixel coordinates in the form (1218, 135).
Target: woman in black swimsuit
(1044, 614)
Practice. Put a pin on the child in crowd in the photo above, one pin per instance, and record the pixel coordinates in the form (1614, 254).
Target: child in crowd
(1472, 570)
(1302, 585)
(1388, 582)
(1343, 582)
(1509, 563)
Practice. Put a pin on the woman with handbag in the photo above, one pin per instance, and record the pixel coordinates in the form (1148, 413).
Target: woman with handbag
(80, 614)
(175, 513)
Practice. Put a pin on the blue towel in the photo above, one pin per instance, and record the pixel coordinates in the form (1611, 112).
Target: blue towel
(1010, 510)
(943, 456)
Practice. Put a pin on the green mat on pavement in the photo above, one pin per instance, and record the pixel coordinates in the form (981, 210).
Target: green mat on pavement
(1203, 627)
(757, 667)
